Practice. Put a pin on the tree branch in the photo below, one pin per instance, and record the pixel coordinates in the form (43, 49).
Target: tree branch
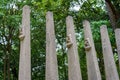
(112, 13)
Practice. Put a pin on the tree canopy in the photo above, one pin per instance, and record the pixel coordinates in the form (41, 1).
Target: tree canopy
(10, 20)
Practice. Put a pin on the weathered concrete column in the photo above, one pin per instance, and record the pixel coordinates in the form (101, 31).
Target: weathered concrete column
(110, 67)
(74, 71)
(51, 57)
(25, 52)
(92, 63)
(117, 36)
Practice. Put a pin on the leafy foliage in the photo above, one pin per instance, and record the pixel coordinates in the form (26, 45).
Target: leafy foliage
(10, 20)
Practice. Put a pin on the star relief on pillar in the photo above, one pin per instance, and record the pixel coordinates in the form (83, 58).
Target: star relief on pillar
(87, 44)
(22, 35)
(69, 41)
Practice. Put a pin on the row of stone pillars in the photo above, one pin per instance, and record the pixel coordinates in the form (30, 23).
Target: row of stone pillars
(74, 71)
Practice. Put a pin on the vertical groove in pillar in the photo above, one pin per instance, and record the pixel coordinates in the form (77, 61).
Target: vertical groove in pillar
(51, 57)
(92, 64)
(25, 53)
(74, 71)
(110, 67)
(117, 37)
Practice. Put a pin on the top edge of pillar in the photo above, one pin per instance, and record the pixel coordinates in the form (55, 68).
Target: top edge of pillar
(49, 12)
(69, 17)
(103, 27)
(26, 7)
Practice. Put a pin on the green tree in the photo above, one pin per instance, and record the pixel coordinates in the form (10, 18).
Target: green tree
(10, 21)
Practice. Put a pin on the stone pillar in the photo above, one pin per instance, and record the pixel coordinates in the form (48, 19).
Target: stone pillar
(51, 58)
(110, 67)
(25, 52)
(117, 36)
(74, 71)
(92, 63)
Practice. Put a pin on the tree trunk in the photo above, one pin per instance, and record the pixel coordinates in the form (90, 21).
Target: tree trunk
(111, 13)
(8, 67)
(5, 68)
